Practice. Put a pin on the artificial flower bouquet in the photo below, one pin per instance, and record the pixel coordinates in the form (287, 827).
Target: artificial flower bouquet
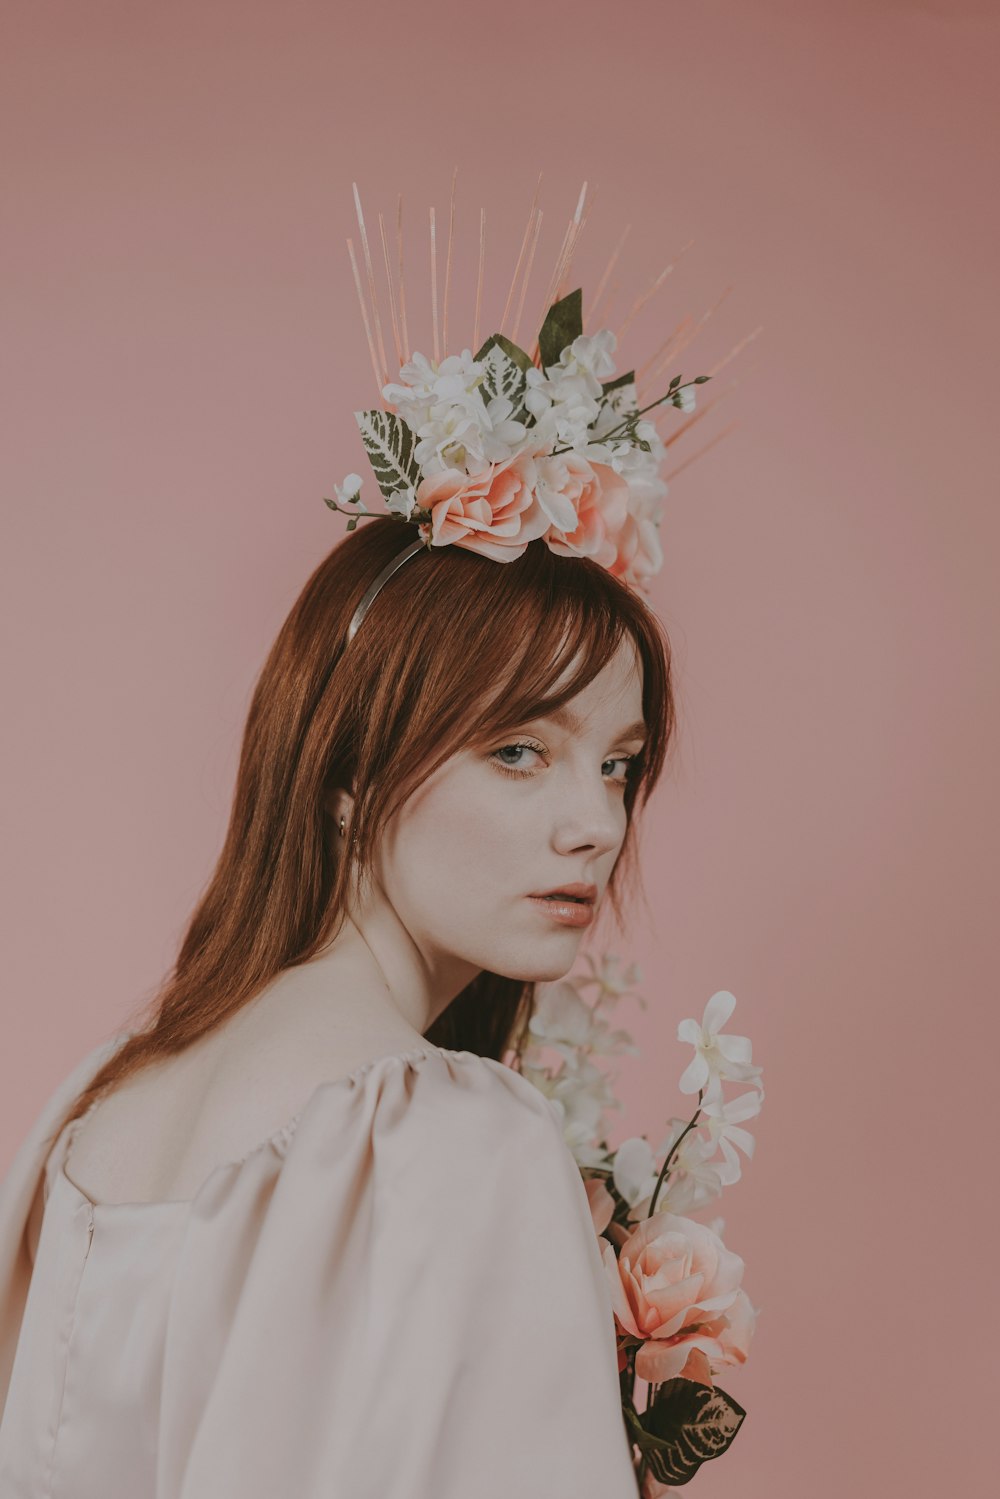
(680, 1311)
(492, 451)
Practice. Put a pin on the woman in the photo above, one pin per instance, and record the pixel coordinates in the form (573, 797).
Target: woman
(304, 1232)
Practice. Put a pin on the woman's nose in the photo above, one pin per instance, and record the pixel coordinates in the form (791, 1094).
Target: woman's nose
(590, 817)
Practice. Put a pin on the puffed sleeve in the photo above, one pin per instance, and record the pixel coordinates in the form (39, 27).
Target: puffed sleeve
(488, 1365)
(422, 1313)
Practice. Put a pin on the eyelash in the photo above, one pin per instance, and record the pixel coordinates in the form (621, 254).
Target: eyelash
(510, 770)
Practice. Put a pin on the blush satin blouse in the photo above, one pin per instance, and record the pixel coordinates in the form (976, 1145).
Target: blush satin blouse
(398, 1295)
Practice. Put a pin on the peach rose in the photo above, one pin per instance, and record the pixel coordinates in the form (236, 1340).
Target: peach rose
(637, 542)
(494, 513)
(602, 1207)
(602, 1204)
(599, 497)
(676, 1285)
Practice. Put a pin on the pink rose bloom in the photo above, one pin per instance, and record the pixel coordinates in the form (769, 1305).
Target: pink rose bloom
(637, 543)
(676, 1285)
(602, 1204)
(494, 513)
(599, 497)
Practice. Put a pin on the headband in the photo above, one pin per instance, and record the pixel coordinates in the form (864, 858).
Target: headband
(493, 450)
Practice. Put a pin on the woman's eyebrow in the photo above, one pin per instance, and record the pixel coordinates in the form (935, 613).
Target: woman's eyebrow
(635, 730)
(566, 718)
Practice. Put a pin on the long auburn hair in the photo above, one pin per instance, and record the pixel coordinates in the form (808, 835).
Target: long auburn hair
(454, 649)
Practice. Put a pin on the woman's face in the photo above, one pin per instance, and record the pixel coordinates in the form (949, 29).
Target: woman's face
(539, 808)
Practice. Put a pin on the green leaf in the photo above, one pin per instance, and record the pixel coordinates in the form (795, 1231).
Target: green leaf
(688, 1424)
(700, 379)
(505, 373)
(389, 443)
(674, 382)
(563, 322)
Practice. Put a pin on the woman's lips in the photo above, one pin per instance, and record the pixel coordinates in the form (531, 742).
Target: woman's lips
(566, 912)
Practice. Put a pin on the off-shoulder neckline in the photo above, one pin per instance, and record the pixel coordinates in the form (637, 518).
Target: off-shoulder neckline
(277, 1137)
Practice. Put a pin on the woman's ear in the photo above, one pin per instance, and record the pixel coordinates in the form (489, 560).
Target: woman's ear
(339, 804)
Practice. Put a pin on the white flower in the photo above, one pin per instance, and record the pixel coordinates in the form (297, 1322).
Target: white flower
(611, 980)
(588, 358)
(561, 1019)
(609, 417)
(639, 468)
(441, 403)
(581, 1093)
(451, 437)
(564, 1021)
(402, 501)
(635, 1171)
(502, 434)
(417, 378)
(455, 427)
(715, 1057)
(423, 382)
(562, 415)
(537, 394)
(694, 1178)
(348, 491)
(723, 1120)
(685, 398)
(565, 398)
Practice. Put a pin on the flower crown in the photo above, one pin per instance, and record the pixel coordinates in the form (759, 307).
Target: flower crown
(494, 450)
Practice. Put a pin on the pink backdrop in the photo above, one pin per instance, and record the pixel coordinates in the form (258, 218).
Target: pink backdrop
(182, 353)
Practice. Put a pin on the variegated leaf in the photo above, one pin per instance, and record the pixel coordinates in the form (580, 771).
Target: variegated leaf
(516, 355)
(504, 373)
(689, 1424)
(389, 443)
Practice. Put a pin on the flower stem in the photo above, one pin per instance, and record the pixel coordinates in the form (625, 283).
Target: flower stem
(635, 415)
(666, 1165)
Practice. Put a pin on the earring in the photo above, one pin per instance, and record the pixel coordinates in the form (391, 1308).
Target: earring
(343, 822)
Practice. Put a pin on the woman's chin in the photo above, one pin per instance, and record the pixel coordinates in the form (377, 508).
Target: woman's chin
(546, 967)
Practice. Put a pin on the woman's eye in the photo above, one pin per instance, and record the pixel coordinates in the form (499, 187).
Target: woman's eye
(518, 767)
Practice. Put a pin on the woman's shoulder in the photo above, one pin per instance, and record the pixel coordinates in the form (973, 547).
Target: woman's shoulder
(426, 1099)
(436, 1149)
(415, 1103)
